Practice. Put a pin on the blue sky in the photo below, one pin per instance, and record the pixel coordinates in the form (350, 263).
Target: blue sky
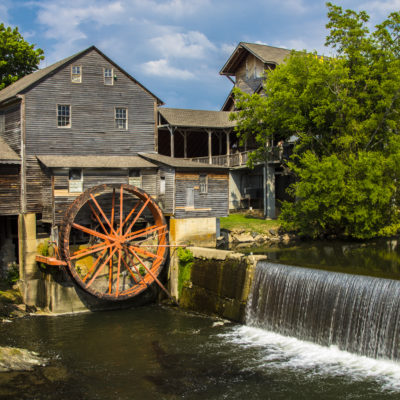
(176, 48)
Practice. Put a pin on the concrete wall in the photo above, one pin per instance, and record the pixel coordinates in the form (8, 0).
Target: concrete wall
(219, 283)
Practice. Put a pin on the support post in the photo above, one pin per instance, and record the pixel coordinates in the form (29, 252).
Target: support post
(172, 131)
(270, 182)
(209, 147)
(228, 148)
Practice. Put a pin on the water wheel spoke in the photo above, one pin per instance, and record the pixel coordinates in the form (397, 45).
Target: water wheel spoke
(90, 231)
(121, 210)
(137, 216)
(76, 253)
(90, 250)
(98, 219)
(113, 208)
(127, 218)
(102, 213)
(118, 272)
(93, 267)
(143, 252)
(101, 267)
(145, 231)
(130, 270)
(149, 271)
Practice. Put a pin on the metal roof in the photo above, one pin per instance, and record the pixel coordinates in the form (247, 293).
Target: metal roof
(27, 81)
(267, 54)
(180, 163)
(7, 154)
(180, 117)
(95, 162)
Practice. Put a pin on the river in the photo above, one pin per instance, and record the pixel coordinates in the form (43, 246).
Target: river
(158, 352)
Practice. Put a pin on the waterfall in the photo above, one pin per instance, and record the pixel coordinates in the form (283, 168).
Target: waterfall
(358, 314)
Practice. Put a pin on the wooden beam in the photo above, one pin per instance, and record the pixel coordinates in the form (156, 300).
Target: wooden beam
(172, 131)
(228, 147)
(209, 146)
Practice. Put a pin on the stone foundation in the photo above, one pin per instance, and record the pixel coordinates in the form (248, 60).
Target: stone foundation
(219, 284)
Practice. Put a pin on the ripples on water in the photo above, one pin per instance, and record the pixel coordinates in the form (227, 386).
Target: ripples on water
(162, 353)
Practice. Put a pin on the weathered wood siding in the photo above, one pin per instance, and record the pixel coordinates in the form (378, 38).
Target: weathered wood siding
(38, 188)
(167, 200)
(249, 74)
(93, 177)
(12, 127)
(9, 190)
(92, 130)
(149, 181)
(214, 203)
(93, 105)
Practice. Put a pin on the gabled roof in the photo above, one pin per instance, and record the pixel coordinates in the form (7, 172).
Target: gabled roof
(95, 162)
(180, 163)
(267, 54)
(7, 154)
(29, 80)
(180, 117)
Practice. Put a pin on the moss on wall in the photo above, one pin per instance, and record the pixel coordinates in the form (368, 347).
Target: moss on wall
(217, 288)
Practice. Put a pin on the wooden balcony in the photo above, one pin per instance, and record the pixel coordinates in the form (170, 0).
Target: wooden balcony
(237, 159)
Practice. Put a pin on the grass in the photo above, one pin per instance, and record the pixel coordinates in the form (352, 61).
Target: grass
(248, 222)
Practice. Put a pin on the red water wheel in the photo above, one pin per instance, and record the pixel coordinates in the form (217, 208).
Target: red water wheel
(114, 240)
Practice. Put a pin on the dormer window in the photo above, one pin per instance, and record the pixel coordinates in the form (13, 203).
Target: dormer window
(108, 76)
(76, 74)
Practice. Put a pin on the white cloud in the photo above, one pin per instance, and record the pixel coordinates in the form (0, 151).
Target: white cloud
(4, 16)
(383, 8)
(183, 45)
(163, 68)
(174, 8)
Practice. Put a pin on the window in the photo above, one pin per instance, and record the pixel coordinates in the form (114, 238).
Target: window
(203, 183)
(108, 76)
(63, 115)
(162, 185)
(75, 180)
(135, 178)
(121, 118)
(76, 74)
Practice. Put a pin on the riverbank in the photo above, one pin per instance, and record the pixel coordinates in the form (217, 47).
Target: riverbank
(11, 303)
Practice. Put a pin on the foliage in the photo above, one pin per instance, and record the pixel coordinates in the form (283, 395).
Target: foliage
(17, 57)
(12, 274)
(186, 259)
(43, 249)
(240, 221)
(344, 112)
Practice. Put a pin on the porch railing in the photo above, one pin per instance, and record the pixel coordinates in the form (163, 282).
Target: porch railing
(237, 159)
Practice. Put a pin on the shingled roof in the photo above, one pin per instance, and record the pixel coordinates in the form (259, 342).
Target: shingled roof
(95, 162)
(180, 163)
(267, 54)
(7, 154)
(29, 80)
(180, 117)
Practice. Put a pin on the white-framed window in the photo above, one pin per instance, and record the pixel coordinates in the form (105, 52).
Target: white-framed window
(203, 183)
(135, 179)
(75, 180)
(108, 76)
(63, 115)
(162, 185)
(76, 74)
(121, 117)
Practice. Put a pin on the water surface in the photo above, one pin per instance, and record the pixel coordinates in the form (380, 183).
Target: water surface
(163, 353)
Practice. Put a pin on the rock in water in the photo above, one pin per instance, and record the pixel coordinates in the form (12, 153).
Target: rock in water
(15, 359)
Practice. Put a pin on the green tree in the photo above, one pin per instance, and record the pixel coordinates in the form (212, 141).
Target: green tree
(17, 57)
(344, 112)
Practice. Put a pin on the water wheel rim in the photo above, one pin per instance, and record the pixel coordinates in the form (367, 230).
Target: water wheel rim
(117, 244)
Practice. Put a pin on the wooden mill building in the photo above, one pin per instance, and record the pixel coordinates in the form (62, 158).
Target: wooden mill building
(81, 122)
